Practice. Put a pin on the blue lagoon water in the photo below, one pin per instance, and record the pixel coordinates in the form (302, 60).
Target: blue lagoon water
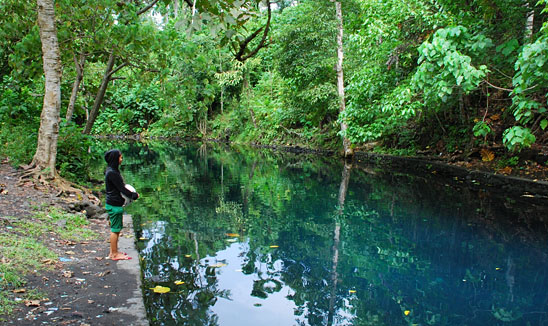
(256, 237)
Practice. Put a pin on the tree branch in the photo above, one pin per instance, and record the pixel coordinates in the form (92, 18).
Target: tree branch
(243, 46)
(115, 70)
(496, 87)
(145, 9)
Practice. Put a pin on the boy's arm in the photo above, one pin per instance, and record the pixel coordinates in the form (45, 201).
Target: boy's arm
(118, 182)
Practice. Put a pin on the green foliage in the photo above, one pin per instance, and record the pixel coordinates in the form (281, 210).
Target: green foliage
(445, 65)
(19, 102)
(132, 111)
(73, 157)
(517, 138)
(18, 143)
(481, 129)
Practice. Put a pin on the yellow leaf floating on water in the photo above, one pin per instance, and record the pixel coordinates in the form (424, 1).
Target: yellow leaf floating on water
(407, 312)
(179, 282)
(274, 246)
(188, 256)
(235, 235)
(487, 155)
(160, 289)
(218, 265)
(497, 268)
(352, 291)
(143, 238)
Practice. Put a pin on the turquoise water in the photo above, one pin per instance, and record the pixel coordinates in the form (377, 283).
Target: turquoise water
(256, 237)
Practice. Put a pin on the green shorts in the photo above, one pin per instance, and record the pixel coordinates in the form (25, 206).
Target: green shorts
(115, 215)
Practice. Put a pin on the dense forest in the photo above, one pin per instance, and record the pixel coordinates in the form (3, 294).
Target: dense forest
(460, 78)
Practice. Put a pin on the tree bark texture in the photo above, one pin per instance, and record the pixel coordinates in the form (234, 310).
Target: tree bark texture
(79, 64)
(48, 134)
(100, 94)
(348, 151)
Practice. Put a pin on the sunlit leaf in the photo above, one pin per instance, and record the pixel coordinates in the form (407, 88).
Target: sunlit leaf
(235, 235)
(160, 289)
(274, 246)
(407, 312)
(178, 282)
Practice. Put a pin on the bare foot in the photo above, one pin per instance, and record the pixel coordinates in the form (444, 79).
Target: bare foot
(119, 256)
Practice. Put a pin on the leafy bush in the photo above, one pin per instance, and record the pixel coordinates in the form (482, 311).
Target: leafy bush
(73, 157)
(132, 111)
(446, 67)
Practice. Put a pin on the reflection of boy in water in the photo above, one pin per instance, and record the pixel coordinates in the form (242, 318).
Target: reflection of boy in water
(114, 204)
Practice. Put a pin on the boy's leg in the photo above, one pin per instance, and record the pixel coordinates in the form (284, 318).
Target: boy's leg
(115, 214)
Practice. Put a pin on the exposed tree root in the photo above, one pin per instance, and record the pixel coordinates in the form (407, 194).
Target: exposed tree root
(68, 191)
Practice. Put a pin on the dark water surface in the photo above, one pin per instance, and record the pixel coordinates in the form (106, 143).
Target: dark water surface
(254, 237)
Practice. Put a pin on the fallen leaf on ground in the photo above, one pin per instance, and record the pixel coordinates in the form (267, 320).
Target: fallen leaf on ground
(487, 155)
(48, 261)
(21, 290)
(32, 303)
(70, 252)
(103, 273)
(67, 274)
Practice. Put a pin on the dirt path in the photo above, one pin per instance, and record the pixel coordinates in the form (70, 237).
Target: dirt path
(82, 288)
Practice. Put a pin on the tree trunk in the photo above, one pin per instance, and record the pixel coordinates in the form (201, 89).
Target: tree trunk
(246, 94)
(79, 64)
(100, 94)
(176, 7)
(46, 149)
(343, 189)
(529, 22)
(348, 151)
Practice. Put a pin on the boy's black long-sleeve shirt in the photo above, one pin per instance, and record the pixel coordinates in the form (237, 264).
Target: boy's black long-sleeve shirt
(114, 182)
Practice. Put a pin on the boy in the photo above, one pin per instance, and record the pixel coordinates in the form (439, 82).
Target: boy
(114, 204)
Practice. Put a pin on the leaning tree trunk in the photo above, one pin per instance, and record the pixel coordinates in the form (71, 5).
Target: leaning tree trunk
(46, 149)
(79, 64)
(100, 94)
(348, 151)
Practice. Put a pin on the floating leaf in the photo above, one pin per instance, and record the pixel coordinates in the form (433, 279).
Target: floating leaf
(188, 256)
(352, 291)
(407, 312)
(143, 238)
(234, 235)
(487, 155)
(160, 289)
(218, 265)
(179, 282)
(274, 246)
